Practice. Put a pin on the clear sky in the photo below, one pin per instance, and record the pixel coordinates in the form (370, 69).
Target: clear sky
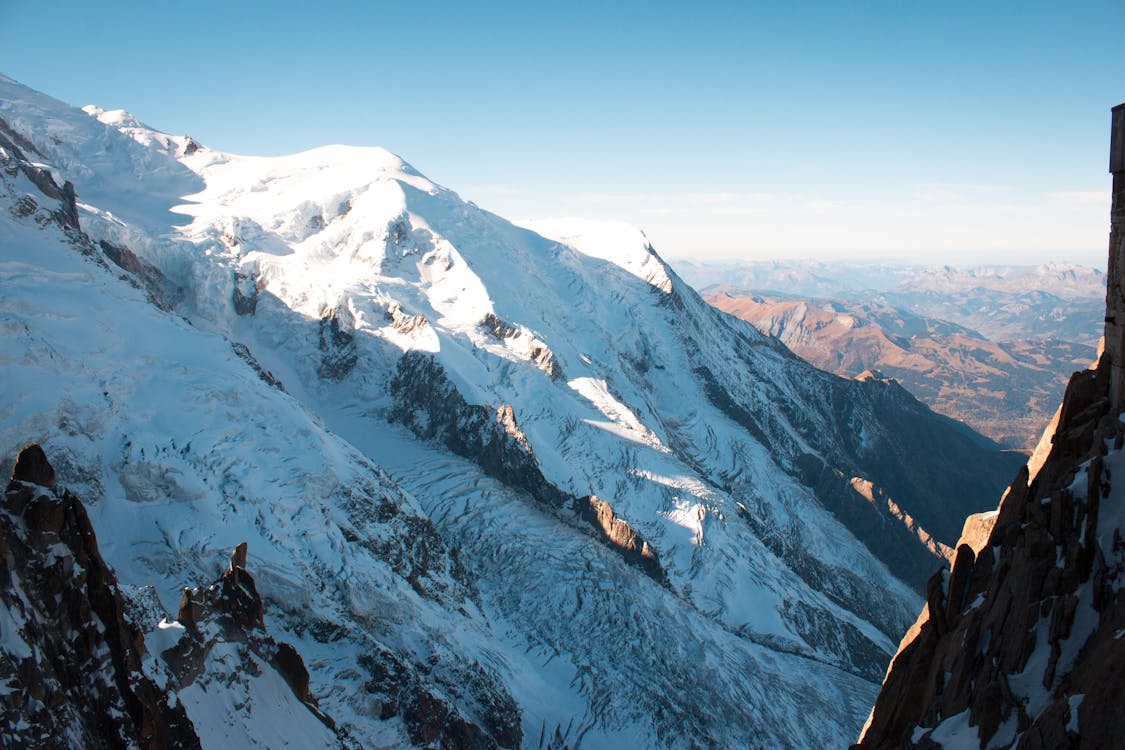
(926, 131)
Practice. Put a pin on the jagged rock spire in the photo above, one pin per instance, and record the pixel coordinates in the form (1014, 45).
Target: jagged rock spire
(32, 466)
(238, 558)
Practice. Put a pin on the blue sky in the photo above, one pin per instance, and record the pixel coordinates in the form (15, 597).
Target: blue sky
(947, 132)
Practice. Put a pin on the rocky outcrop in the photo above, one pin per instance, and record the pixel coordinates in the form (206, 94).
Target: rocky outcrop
(337, 344)
(74, 666)
(546, 361)
(161, 291)
(230, 613)
(429, 404)
(246, 289)
(537, 351)
(263, 374)
(930, 469)
(66, 214)
(1017, 644)
(1020, 643)
(408, 325)
(498, 327)
(13, 160)
(70, 662)
(483, 718)
(619, 534)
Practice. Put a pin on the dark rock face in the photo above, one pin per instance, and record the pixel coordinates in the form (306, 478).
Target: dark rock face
(264, 375)
(244, 296)
(161, 291)
(66, 212)
(337, 344)
(1115, 278)
(430, 405)
(32, 466)
(70, 661)
(492, 719)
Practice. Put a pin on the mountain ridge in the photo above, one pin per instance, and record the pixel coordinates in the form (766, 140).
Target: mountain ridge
(1007, 389)
(461, 572)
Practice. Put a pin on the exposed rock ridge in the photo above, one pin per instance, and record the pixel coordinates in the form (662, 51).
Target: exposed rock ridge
(247, 286)
(539, 353)
(70, 663)
(1020, 643)
(430, 404)
(869, 512)
(408, 325)
(227, 640)
(620, 534)
(160, 290)
(62, 209)
(230, 611)
(265, 375)
(14, 144)
(337, 343)
(433, 408)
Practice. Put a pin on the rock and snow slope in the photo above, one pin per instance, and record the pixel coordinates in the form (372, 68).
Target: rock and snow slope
(1020, 644)
(502, 485)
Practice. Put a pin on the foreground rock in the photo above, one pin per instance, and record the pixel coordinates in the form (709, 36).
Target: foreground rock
(79, 670)
(70, 662)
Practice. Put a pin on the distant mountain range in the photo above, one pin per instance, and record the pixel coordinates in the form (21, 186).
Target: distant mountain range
(990, 346)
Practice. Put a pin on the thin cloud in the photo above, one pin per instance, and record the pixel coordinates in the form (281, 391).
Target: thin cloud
(943, 192)
(693, 199)
(496, 190)
(1081, 197)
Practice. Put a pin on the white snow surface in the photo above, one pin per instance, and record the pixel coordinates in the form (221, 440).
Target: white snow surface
(181, 451)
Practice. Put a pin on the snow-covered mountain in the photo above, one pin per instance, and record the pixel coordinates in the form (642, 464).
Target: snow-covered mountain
(502, 485)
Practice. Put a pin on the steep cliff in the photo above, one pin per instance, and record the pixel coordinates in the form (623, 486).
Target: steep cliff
(1020, 644)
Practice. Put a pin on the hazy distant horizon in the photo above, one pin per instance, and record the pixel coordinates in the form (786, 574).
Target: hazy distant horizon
(859, 260)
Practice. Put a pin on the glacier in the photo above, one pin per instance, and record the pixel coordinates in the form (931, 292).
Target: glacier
(407, 404)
